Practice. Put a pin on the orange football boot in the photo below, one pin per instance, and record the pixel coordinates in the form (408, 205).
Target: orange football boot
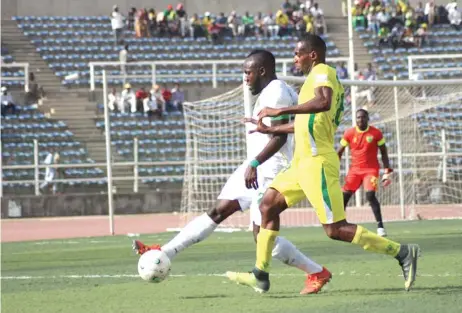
(141, 248)
(315, 282)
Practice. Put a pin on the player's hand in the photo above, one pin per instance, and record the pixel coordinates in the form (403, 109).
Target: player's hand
(261, 128)
(386, 178)
(249, 120)
(250, 176)
(268, 112)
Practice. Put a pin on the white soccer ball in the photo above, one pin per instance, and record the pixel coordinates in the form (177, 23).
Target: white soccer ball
(154, 266)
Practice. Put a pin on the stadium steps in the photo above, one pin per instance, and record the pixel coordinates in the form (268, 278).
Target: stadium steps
(23, 50)
(336, 27)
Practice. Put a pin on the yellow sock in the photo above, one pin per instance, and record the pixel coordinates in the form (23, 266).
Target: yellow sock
(265, 244)
(374, 243)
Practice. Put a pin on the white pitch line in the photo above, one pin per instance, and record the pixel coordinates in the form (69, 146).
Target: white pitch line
(99, 276)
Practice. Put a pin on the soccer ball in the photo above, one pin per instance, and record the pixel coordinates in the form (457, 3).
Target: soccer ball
(154, 266)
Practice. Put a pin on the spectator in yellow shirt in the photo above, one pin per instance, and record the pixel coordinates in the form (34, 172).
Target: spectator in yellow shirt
(282, 20)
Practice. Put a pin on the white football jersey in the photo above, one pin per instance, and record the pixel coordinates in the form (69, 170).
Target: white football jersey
(277, 94)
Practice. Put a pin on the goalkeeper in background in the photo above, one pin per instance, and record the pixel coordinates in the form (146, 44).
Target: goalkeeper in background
(364, 141)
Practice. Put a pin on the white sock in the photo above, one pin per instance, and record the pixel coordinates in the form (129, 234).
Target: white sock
(195, 231)
(287, 253)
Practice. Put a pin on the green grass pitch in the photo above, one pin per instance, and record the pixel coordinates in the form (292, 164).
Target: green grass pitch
(99, 275)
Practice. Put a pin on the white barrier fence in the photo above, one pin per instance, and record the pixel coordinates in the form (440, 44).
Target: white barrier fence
(214, 65)
(24, 66)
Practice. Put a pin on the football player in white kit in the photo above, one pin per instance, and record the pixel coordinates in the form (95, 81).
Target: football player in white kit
(246, 186)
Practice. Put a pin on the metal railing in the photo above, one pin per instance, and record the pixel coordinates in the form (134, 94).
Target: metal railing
(213, 64)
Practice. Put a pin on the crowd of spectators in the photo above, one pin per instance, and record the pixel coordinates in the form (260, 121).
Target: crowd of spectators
(397, 24)
(295, 18)
(157, 102)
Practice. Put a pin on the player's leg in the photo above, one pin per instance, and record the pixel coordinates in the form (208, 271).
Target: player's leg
(352, 183)
(286, 252)
(323, 191)
(370, 184)
(233, 197)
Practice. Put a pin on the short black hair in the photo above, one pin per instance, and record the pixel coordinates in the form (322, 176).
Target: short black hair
(314, 43)
(364, 111)
(264, 58)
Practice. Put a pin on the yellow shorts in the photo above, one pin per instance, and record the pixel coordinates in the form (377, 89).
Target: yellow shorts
(317, 179)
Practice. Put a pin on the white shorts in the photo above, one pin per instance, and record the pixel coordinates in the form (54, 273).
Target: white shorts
(235, 189)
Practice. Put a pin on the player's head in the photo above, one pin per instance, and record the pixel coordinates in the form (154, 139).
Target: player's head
(309, 51)
(362, 119)
(259, 70)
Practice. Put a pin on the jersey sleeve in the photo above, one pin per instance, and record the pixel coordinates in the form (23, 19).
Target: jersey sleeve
(278, 96)
(323, 78)
(379, 137)
(345, 141)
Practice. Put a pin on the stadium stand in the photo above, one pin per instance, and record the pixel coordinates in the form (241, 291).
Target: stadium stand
(18, 133)
(10, 73)
(69, 43)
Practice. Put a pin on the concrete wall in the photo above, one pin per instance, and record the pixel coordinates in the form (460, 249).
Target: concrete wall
(104, 7)
(90, 204)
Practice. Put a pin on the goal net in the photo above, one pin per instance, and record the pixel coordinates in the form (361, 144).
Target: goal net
(421, 122)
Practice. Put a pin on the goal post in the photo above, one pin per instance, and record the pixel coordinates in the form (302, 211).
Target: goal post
(421, 121)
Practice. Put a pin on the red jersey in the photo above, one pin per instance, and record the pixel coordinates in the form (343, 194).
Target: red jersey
(364, 146)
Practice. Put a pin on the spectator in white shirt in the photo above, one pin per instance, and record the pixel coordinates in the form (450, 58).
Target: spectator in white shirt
(316, 11)
(383, 17)
(117, 23)
(50, 172)
(270, 28)
(156, 94)
(123, 58)
(430, 11)
(7, 102)
(129, 98)
(178, 97)
(114, 101)
(455, 17)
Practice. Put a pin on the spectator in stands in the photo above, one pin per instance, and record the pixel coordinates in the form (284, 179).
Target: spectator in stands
(206, 21)
(123, 58)
(233, 23)
(114, 101)
(287, 8)
(51, 173)
(140, 95)
(247, 26)
(259, 24)
(140, 24)
(383, 17)
(131, 19)
(178, 97)
(316, 11)
(35, 93)
(172, 21)
(430, 11)
(372, 21)
(421, 35)
(282, 20)
(196, 29)
(319, 25)
(117, 22)
(128, 98)
(419, 15)
(342, 71)
(216, 32)
(8, 104)
(167, 95)
(156, 95)
(152, 22)
(359, 20)
(270, 28)
(455, 17)
(370, 73)
(182, 19)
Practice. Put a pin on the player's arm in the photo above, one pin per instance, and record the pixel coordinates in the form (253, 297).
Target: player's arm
(274, 145)
(386, 180)
(320, 103)
(283, 129)
(343, 144)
